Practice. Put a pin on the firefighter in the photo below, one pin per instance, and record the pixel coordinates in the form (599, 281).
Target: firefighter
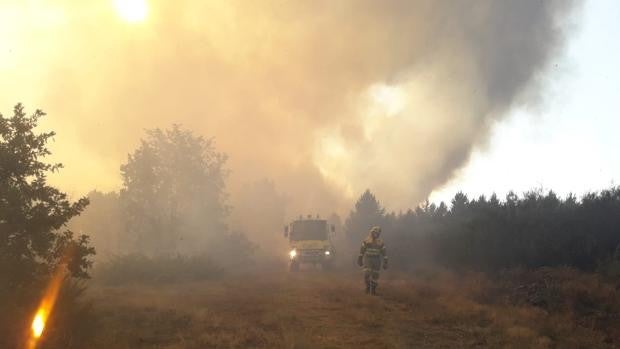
(372, 257)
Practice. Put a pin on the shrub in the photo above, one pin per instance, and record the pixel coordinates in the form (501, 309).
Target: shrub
(138, 268)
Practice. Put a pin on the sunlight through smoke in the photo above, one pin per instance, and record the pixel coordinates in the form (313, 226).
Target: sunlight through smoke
(391, 100)
(132, 10)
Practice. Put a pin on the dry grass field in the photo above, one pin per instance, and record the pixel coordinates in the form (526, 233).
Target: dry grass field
(311, 309)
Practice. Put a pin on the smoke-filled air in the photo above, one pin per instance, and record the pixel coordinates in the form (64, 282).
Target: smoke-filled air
(309, 174)
(324, 98)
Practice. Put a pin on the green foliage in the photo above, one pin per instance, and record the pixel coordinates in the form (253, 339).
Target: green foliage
(368, 212)
(73, 323)
(531, 231)
(610, 266)
(231, 250)
(137, 268)
(32, 218)
(173, 192)
(227, 251)
(32, 212)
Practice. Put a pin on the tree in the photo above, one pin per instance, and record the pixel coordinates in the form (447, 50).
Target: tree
(368, 212)
(173, 192)
(535, 230)
(32, 212)
(34, 240)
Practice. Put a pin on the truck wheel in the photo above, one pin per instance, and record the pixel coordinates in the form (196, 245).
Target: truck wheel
(294, 266)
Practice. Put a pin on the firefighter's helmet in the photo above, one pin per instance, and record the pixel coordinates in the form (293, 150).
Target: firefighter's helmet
(375, 232)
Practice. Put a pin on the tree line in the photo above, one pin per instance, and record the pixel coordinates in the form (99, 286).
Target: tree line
(533, 230)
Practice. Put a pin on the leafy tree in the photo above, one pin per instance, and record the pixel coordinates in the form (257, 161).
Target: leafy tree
(33, 238)
(32, 212)
(173, 192)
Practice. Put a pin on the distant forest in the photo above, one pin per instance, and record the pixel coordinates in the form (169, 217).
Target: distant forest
(533, 230)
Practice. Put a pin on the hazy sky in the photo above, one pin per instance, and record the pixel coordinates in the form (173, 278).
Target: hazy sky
(328, 98)
(572, 144)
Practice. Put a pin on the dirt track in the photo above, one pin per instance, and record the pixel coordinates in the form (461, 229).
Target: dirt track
(314, 310)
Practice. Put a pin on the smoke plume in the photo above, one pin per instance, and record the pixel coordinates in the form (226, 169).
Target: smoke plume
(324, 98)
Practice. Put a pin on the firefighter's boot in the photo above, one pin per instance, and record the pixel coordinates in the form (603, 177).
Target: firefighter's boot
(373, 288)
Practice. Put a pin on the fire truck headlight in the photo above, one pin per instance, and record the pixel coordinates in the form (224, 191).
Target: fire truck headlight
(293, 254)
(327, 253)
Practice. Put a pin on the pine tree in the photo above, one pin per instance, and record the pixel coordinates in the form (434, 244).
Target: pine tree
(368, 212)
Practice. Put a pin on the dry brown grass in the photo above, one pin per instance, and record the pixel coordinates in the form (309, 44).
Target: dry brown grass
(426, 309)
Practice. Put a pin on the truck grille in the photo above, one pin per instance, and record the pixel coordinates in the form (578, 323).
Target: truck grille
(311, 253)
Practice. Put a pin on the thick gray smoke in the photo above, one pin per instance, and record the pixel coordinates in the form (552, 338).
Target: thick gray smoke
(324, 98)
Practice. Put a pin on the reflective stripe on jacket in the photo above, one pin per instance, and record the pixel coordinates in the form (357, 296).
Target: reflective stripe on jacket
(373, 248)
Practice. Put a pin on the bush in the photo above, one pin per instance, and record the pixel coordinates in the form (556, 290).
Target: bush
(73, 323)
(138, 268)
(232, 250)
